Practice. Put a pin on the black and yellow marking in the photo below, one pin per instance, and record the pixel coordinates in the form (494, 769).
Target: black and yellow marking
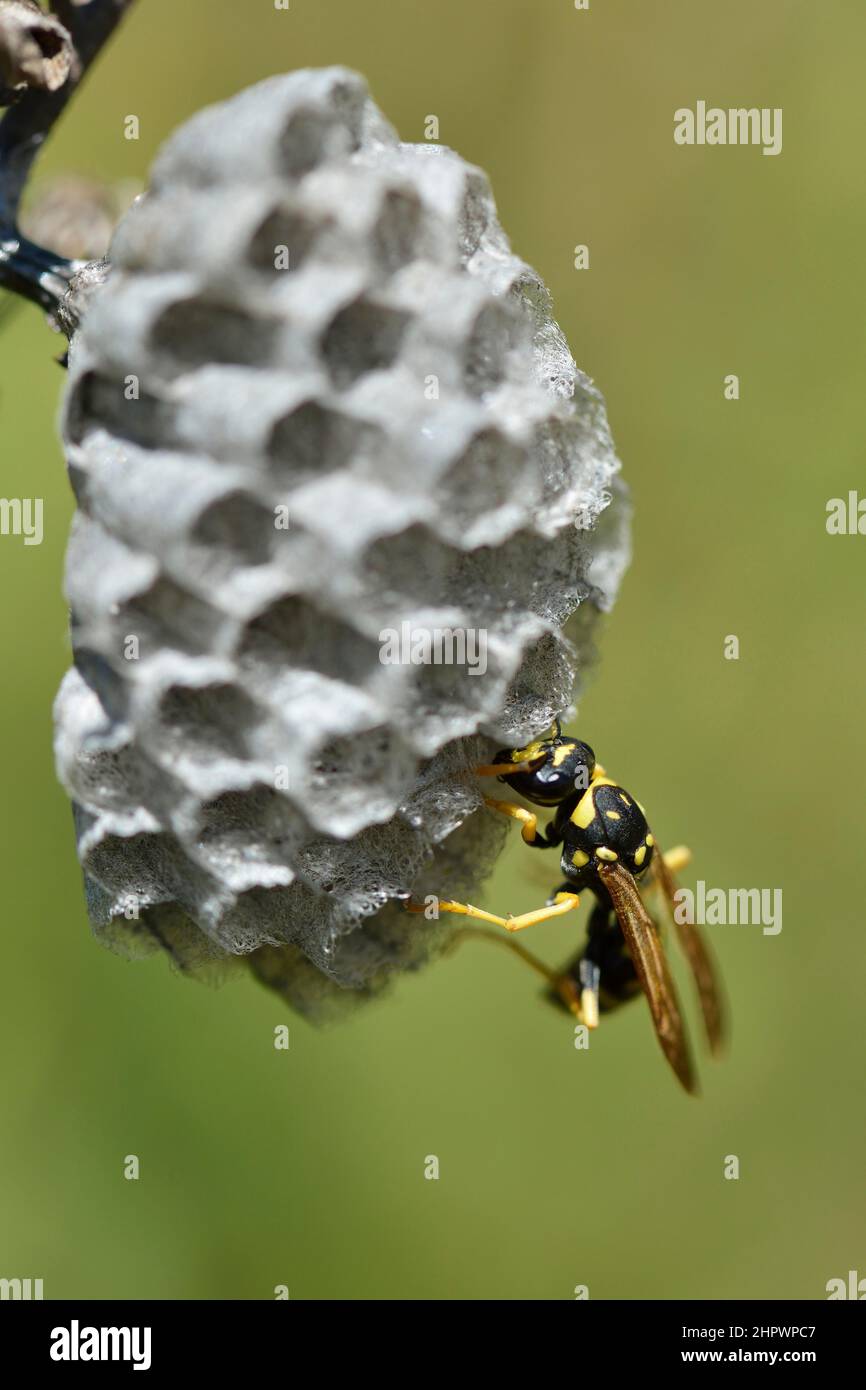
(606, 826)
(547, 771)
(607, 847)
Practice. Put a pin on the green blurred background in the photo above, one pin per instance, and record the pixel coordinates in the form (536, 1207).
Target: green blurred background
(305, 1168)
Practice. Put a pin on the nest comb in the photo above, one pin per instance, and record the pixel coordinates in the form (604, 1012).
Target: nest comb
(314, 399)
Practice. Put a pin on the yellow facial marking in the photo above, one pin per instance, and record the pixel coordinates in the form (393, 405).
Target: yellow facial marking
(650, 841)
(606, 854)
(640, 855)
(562, 753)
(578, 859)
(613, 815)
(527, 754)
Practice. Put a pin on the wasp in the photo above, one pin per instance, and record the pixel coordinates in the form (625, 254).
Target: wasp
(608, 850)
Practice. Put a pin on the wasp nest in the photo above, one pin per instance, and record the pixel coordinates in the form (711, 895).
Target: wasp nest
(317, 413)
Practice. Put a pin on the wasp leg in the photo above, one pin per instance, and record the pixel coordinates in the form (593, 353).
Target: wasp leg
(678, 858)
(563, 986)
(528, 819)
(563, 902)
(590, 981)
(464, 910)
(539, 839)
(564, 887)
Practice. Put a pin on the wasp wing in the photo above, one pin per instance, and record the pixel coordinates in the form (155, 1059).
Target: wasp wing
(698, 955)
(643, 943)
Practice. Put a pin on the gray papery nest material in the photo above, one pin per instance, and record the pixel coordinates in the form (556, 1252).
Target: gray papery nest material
(250, 779)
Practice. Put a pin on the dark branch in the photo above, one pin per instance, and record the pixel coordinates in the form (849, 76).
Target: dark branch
(25, 268)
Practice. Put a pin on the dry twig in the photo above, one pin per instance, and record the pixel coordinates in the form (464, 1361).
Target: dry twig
(43, 58)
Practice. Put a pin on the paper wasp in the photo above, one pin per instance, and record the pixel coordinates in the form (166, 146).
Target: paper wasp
(608, 849)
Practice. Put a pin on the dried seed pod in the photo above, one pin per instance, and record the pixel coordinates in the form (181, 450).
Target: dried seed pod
(35, 49)
(308, 321)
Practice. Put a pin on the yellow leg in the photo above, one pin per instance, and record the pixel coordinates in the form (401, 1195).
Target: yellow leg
(564, 986)
(528, 819)
(464, 909)
(563, 902)
(588, 1010)
(678, 858)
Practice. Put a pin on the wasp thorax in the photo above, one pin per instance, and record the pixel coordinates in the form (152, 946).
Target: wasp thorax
(607, 826)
